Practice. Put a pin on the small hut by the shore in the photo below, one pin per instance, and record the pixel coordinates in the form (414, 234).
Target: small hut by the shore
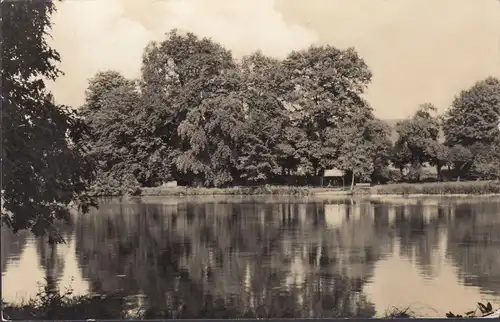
(333, 177)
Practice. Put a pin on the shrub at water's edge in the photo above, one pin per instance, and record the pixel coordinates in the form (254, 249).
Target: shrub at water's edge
(439, 188)
(51, 304)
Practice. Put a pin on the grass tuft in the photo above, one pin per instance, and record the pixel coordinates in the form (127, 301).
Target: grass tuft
(399, 313)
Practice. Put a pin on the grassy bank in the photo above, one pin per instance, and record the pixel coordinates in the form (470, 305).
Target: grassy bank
(400, 189)
(232, 191)
(439, 188)
(202, 191)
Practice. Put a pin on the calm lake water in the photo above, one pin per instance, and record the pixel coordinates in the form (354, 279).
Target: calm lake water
(349, 257)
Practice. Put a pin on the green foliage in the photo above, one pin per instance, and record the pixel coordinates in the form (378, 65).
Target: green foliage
(44, 167)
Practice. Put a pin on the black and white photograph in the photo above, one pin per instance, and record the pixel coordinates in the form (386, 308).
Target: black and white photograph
(249, 159)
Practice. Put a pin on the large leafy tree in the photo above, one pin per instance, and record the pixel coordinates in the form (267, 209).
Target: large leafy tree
(213, 130)
(182, 77)
(461, 159)
(365, 150)
(111, 101)
(471, 128)
(129, 152)
(486, 160)
(418, 141)
(354, 154)
(378, 134)
(264, 150)
(401, 156)
(325, 85)
(474, 116)
(43, 163)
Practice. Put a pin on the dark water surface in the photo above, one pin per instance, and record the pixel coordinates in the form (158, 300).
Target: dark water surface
(294, 257)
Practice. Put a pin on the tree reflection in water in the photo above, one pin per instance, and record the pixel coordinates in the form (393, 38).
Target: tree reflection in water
(225, 259)
(49, 259)
(474, 245)
(12, 246)
(270, 259)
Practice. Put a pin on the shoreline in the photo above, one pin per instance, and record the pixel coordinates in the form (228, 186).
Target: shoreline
(400, 190)
(421, 195)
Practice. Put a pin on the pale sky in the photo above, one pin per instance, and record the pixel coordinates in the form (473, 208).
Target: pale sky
(418, 50)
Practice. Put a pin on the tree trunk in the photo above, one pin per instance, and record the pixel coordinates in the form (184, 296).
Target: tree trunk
(321, 174)
(352, 181)
(439, 173)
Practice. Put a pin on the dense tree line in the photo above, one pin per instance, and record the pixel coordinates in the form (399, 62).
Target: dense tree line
(465, 139)
(198, 116)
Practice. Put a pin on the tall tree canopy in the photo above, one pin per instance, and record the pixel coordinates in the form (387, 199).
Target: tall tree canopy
(418, 141)
(185, 79)
(266, 149)
(471, 128)
(474, 116)
(325, 86)
(378, 134)
(43, 163)
(111, 105)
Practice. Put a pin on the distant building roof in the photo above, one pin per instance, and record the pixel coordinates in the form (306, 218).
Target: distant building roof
(334, 173)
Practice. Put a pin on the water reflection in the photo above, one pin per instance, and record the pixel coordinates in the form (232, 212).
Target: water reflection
(12, 246)
(293, 258)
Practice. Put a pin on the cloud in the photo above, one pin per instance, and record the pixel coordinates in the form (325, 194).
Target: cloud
(419, 50)
(92, 35)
